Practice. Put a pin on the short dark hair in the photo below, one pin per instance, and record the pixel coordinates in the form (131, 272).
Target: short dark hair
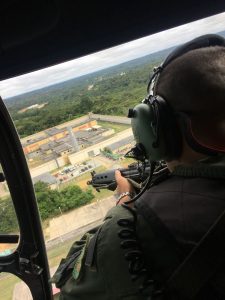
(194, 83)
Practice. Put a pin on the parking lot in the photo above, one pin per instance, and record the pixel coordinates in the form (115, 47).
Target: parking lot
(69, 172)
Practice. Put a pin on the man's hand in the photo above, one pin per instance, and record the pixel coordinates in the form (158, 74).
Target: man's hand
(123, 185)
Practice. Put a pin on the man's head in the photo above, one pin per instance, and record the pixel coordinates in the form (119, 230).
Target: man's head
(185, 107)
(194, 84)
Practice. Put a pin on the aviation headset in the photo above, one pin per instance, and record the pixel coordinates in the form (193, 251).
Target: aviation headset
(153, 121)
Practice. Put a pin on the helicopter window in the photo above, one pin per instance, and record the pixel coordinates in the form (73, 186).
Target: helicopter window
(72, 123)
(9, 228)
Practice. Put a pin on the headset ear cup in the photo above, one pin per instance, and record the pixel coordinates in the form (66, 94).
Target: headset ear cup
(155, 128)
(169, 130)
(144, 128)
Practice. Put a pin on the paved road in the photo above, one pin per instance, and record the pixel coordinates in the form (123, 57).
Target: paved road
(74, 234)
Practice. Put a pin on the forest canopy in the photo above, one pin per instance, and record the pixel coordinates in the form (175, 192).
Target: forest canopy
(111, 91)
(50, 203)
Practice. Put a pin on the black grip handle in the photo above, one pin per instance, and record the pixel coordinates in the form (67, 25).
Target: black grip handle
(107, 179)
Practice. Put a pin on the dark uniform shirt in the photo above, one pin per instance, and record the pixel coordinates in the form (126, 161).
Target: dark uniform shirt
(189, 201)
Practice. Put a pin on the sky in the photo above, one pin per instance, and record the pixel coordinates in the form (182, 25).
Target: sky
(110, 57)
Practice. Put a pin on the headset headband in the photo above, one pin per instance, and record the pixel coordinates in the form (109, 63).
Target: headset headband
(199, 42)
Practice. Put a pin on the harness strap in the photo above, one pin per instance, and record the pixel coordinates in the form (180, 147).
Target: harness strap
(163, 254)
(206, 258)
(191, 273)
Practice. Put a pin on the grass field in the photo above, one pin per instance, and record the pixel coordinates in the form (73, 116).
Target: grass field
(57, 253)
(7, 282)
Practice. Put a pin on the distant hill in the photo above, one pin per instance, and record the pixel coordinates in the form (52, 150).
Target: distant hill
(157, 56)
(110, 91)
(108, 72)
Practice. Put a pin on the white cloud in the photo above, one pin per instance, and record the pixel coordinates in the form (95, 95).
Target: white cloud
(111, 56)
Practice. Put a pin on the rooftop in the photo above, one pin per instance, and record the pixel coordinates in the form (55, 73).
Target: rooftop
(54, 130)
(45, 177)
(32, 141)
(63, 147)
(121, 143)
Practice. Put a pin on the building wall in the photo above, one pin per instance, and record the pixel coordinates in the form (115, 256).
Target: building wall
(85, 126)
(48, 166)
(70, 123)
(83, 154)
(89, 123)
(112, 119)
(108, 132)
(86, 118)
(36, 145)
(78, 156)
(59, 135)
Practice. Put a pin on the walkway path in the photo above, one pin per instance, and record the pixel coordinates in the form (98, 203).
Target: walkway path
(79, 218)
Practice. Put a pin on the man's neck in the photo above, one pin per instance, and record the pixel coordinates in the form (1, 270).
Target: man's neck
(188, 157)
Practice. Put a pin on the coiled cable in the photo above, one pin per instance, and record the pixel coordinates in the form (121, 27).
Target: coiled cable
(134, 256)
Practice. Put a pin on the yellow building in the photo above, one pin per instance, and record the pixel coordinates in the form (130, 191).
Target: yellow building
(53, 134)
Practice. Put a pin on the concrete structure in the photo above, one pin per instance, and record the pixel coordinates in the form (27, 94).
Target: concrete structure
(48, 166)
(112, 119)
(72, 123)
(90, 142)
(76, 122)
(80, 217)
(33, 144)
(87, 153)
(82, 155)
(63, 149)
(66, 145)
(118, 146)
(47, 178)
